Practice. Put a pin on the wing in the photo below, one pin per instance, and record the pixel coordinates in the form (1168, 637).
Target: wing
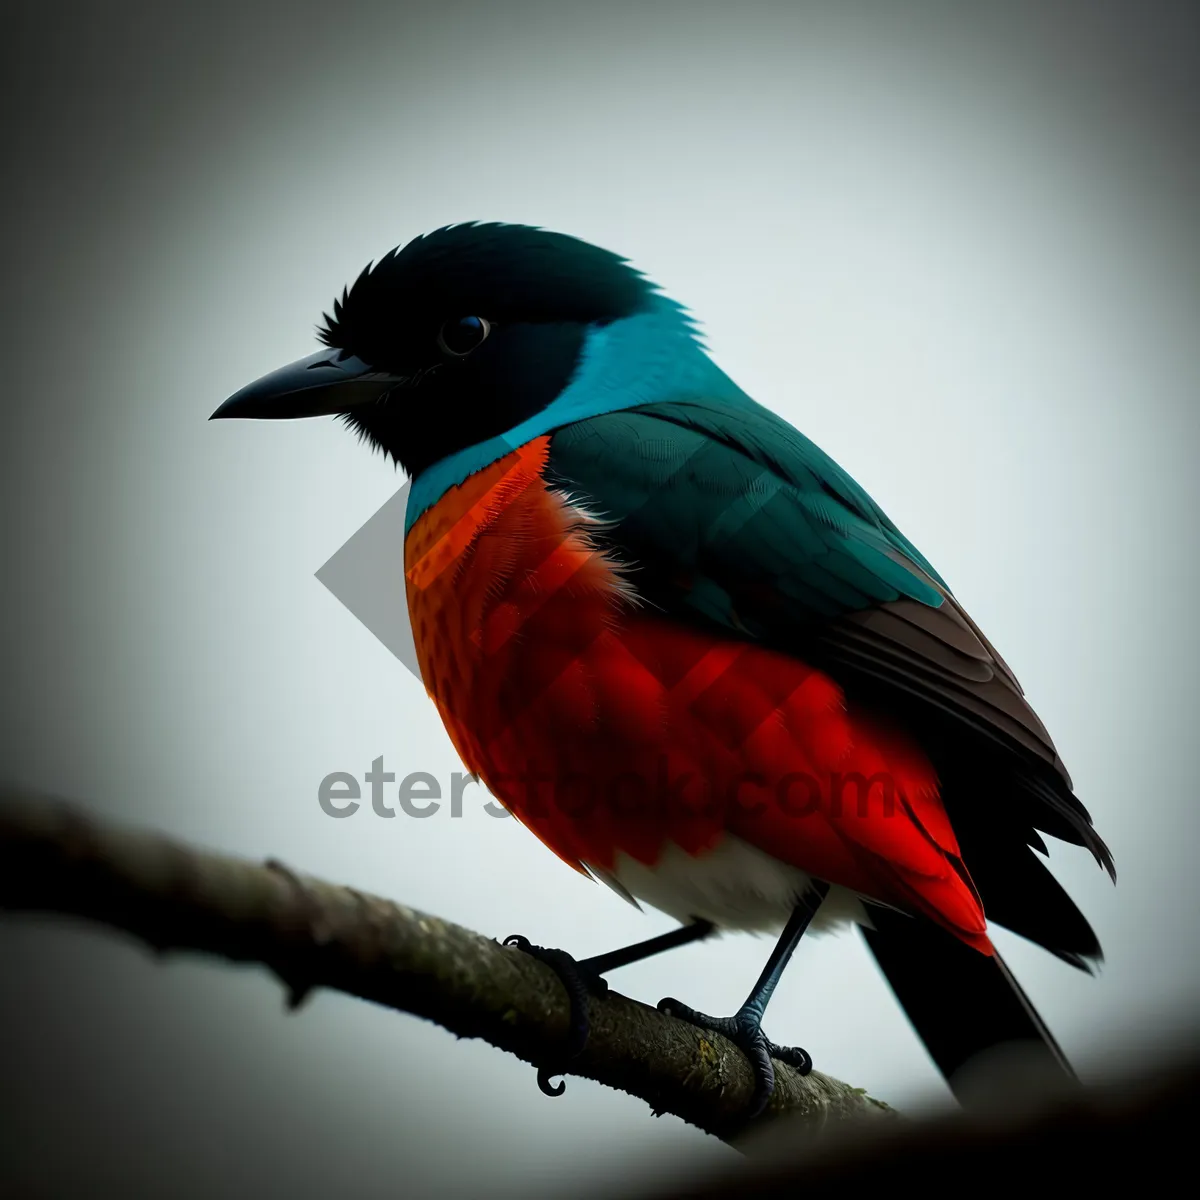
(729, 516)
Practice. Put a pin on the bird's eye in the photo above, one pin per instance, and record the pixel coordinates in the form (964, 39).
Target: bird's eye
(462, 335)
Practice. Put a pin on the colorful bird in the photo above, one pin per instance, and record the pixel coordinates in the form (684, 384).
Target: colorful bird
(684, 647)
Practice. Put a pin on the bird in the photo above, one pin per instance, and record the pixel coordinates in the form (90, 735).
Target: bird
(686, 649)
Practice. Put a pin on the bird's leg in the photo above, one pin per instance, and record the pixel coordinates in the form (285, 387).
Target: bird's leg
(586, 976)
(744, 1028)
(695, 931)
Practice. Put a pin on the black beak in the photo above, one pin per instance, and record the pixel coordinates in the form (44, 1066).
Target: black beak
(318, 385)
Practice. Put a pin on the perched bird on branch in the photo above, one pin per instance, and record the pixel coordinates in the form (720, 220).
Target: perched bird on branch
(684, 647)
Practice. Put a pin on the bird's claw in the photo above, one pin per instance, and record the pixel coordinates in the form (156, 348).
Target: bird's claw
(744, 1030)
(579, 982)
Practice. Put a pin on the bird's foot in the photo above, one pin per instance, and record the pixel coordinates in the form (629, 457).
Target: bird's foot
(744, 1030)
(580, 981)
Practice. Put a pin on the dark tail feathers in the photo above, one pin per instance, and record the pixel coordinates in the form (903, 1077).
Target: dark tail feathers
(961, 1003)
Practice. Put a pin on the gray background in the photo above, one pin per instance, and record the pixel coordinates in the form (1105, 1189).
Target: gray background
(954, 243)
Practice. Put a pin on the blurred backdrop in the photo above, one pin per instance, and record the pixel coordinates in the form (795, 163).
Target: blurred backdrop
(955, 244)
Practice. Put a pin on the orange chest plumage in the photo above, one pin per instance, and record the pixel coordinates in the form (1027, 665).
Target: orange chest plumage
(610, 729)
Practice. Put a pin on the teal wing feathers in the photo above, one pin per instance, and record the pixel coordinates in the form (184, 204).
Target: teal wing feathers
(728, 515)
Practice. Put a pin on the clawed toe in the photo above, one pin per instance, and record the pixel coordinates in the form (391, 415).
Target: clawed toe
(744, 1030)
(796, 1057)
(579, 982)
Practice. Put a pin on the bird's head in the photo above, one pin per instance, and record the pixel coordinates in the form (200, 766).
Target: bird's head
(458, 336)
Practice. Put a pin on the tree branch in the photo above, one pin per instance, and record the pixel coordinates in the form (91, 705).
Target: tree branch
(55, 858)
